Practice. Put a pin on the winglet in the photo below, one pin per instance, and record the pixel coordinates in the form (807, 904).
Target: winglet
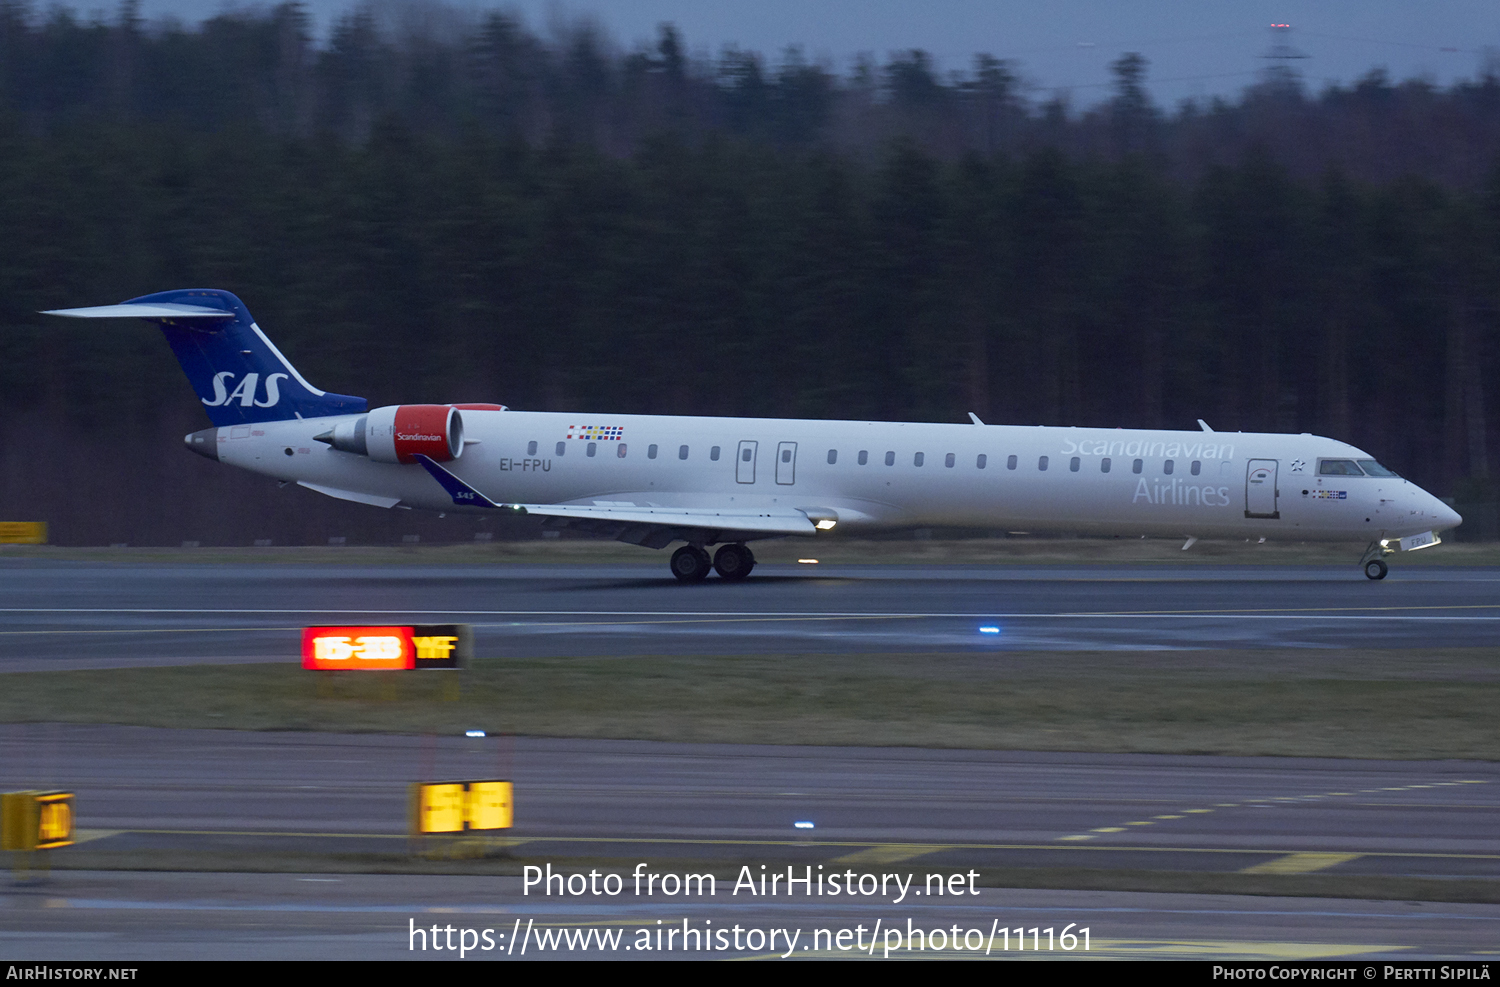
(1204, 425)
(975, 418)
(463, 495)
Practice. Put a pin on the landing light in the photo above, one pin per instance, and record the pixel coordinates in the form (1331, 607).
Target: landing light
(802, 824)
(808, 561)
(989, 630)
(826, 525)
(473, 733)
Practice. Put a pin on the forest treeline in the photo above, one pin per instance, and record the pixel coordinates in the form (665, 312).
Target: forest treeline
(695, 269)
(445, 70)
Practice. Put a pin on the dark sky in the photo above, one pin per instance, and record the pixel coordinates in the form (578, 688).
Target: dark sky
(1196, 47)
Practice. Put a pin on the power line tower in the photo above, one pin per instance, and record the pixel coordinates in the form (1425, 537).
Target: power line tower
(1279, 71)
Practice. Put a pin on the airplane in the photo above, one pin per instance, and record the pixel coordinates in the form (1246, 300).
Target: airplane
(653, 480)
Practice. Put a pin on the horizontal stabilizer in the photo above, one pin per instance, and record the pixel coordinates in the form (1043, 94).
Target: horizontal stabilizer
(156, 311)
(238, 373)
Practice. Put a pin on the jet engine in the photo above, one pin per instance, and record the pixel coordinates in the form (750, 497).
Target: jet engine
(396, 433)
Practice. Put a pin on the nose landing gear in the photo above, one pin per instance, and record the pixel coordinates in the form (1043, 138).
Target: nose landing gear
(1374, 565)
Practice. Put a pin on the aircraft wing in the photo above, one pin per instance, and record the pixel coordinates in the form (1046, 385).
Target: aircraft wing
(653, 527)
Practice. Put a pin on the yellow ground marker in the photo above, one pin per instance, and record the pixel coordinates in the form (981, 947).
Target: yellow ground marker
(1110, 829)
(889, 854)
(1197, 810)
(1301, 863)
(1078, 836)
(1143, 822)
(1166, 817)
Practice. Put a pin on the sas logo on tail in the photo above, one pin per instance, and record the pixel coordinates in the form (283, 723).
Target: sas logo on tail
(245, 390)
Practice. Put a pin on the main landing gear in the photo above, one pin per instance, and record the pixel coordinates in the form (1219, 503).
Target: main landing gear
(1374, 565)
(691, 563)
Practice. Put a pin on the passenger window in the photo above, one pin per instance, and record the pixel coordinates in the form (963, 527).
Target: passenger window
(890, 459)
(833, 456)
(682, 452)
(620, 451)
(746, 453)
(864, 456)
(1339, 467)
(593, 448)
(713, 454)
(651, 451)
(948, 460)
(1104, 465)
(1041, 463)
(1073, 464)
(562, 447)
(1167, 467)
(786, 455)
(917, 459)
(1196, 468)
(531, 448)
(981, 461)
(1135, 467)
(1010, 463)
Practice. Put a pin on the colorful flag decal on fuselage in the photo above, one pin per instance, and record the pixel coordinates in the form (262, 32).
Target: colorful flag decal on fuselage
(597, 433)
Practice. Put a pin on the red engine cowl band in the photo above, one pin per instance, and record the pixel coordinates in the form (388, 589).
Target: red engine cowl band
(396, 434)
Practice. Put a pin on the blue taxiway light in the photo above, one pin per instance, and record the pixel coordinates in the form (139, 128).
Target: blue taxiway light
(802, 824)
(473, 733)
(989, 630)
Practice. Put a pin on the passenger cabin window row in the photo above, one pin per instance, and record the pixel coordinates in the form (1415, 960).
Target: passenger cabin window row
(1326, 467)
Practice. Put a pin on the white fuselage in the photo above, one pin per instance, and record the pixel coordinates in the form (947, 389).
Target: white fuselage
(868, 475)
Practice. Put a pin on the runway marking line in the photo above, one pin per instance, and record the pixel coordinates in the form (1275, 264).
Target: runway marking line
(887, 853)
(1260, 803)
(679, 841)
(1301, 863)
(1137, 948)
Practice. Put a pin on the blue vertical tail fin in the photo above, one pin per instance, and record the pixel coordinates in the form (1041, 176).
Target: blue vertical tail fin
(239, 374)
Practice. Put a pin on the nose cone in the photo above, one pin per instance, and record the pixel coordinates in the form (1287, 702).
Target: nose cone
(1446, 517)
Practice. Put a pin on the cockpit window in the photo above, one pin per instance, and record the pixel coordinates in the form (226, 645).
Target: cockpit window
(1339, 467)
(1375, 469)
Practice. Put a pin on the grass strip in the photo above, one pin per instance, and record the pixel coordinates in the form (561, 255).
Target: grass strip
(1399, 703)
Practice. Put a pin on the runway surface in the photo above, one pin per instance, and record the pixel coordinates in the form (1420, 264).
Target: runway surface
(207, 794)
(687, 807)
(84, 615)
(118, 916)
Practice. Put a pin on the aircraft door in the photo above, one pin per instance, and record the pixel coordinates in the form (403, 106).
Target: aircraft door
(744, 462)
(1260, 489)
(786, 463)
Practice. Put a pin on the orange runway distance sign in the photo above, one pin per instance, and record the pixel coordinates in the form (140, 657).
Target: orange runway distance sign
(380, 649)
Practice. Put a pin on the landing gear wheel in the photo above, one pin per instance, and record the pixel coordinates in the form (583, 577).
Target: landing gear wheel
(733, 562)
(690, 564)
(1375, 569)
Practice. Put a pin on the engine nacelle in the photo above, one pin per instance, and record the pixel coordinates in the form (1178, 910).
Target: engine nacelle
(396, 433)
